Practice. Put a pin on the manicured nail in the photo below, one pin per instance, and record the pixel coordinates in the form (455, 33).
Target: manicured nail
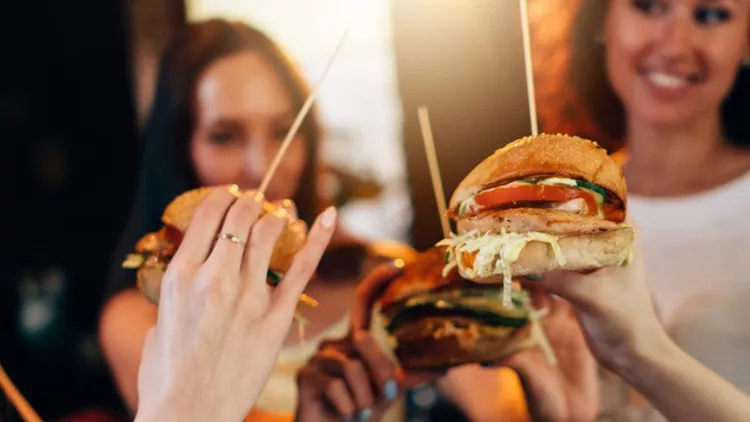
(364, 415)
(390, 390)
(290, 206)
(281, 212)
(328, 218)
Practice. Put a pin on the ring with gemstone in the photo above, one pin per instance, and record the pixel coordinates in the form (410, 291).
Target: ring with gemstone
(232, 238)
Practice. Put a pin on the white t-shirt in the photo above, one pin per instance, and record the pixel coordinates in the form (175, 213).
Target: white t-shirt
(697, 257)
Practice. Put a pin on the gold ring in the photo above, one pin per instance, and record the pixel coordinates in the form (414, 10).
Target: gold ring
(232, 238)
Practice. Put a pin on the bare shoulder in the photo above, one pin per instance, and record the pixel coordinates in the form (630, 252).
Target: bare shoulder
(125, 312)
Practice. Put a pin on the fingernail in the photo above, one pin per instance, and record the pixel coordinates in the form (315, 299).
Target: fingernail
(532, 277)
(290, 206)
(281, 212)
(364, 415)
(390, 390)
(328, 218)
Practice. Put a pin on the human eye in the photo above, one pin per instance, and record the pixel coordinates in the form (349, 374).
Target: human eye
(712, 14)
(650, 7)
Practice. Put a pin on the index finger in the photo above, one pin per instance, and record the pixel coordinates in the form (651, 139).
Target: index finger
(369, 290)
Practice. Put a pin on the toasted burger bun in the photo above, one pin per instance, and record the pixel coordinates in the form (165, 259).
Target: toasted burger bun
(545, 154)
(585, 243)
(439, 339)
(159, 247)
(581, 253)
(421, 275)
(180, 211)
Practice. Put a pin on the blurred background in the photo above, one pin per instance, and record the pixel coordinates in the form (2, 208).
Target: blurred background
(78, 81)
(77, 87)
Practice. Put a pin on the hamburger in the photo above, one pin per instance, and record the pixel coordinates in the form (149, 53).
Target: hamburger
(437, 321)
(154, 251)
(539, 204)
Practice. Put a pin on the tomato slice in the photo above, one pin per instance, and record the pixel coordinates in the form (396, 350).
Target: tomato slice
(504, 196)
(173, 235)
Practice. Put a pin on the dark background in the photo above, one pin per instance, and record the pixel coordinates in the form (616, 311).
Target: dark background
(69, 158)
(67, 126)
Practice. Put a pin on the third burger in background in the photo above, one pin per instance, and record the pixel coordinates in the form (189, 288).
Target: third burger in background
(439, 321)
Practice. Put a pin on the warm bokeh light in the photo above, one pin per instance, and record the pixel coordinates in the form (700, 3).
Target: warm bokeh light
(308, 29)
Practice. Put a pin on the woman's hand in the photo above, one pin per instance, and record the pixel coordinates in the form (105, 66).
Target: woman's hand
(568, 391)
(614, 308)
(353, 378)
(220, 326)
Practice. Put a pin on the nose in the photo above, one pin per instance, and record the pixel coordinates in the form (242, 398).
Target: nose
(676, 39)
(258, 157)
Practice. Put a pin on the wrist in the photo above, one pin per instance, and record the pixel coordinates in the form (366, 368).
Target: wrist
(644, 356)
(169, 410)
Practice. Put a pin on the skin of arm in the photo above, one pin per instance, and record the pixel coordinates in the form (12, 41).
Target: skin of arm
(680, 387)
(124, 323)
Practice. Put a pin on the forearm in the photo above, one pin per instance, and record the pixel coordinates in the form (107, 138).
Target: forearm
(124, 323)
(681, 388)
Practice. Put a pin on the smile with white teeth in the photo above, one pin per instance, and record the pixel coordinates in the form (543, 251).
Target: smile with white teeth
(666, 80)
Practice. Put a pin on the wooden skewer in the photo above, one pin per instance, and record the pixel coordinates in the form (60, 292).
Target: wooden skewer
(293, 132)
(300, 118)
(535, 316)
(437, 183)
(16, 398)
(530, 91)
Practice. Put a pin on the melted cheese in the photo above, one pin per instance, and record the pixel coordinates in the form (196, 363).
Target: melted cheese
(495, 254)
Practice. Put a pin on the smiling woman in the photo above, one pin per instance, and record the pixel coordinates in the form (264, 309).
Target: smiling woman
(666, 80)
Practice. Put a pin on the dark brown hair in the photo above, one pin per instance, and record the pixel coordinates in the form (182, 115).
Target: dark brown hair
(589, 78)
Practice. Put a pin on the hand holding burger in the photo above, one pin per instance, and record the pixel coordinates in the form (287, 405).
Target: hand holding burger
(154, 251)
(220, 325)
(354, 378)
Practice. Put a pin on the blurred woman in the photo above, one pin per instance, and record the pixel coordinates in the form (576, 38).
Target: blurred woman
(669, 80)
(226, 97)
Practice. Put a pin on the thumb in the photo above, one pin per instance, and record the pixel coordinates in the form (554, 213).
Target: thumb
(370, 289)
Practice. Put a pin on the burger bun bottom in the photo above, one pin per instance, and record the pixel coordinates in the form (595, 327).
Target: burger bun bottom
(581, 252)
